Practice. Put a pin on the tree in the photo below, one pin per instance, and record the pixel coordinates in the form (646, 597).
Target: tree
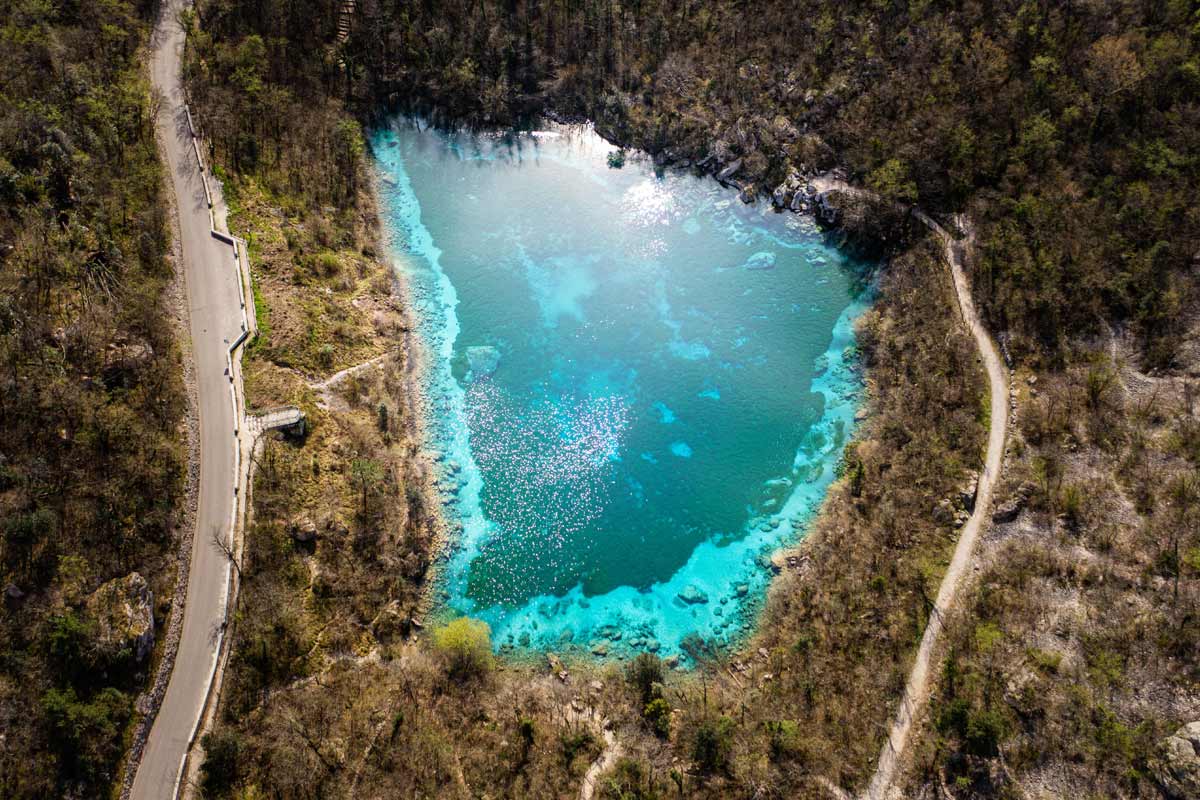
(645, 673)
(365, 474)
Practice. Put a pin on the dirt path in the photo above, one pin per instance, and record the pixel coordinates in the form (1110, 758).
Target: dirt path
(916, 691)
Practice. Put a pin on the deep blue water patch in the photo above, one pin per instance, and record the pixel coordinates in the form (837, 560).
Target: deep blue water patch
(636, 387)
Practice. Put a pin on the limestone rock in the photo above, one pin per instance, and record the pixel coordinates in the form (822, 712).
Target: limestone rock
(123, 610)
(1177, 769)
(693, 595)
(785, 193)
(1011, 508)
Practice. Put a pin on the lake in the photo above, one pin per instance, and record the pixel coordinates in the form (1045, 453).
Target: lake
(636, 387)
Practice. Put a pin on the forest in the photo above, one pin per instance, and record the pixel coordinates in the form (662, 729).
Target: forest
(92, 404)
(1068, 129)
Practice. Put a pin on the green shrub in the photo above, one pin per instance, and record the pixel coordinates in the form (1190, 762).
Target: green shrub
(465, 646)
(712, 744)
(658, 714)
(785, 738)
(87, 735)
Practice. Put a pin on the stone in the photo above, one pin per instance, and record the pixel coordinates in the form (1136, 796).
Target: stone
(13, 593)
(600, 648)
(303, 530)
(967, 492)
(693, 595)
(742, 589)
(1010, 509)
(761, 260)
(729, 171)
(1177, 767)
(748, 193)
(943, 512)
(652, 645)
(596, 686)
(123, 611)
(825, 211)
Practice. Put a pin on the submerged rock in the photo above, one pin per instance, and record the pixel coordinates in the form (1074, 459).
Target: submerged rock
(482, 361)
(761, 260)
(693, 595)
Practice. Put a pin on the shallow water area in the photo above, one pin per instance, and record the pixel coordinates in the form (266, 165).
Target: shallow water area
(635, 386)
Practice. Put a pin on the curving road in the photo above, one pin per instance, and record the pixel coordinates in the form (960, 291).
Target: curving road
(214, 310)
(916, 691)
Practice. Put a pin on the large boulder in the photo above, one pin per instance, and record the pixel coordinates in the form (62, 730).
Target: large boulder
(123, 612)
(1177, 768)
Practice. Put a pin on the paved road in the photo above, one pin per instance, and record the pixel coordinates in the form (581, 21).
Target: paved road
(215, 318)
(916, 691)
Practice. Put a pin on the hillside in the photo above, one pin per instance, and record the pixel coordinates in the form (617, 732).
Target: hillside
(92, 403)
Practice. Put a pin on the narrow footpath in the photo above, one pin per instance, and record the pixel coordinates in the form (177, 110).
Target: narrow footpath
(916, 691)
(218, 325)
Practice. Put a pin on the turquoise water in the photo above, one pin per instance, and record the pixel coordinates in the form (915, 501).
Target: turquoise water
(636, 387)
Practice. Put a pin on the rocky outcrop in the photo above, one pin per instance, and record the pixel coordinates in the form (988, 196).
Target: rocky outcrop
(123, 612)
(1177, 767)
(693, 595)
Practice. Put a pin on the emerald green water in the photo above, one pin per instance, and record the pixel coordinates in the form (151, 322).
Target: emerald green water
(636, 386)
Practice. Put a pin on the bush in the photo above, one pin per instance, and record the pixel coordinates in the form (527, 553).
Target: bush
(985, 729)
(222, 755)
(711, 746)
(465, 645)
(658, 714)
(87, 734)
(784, 737)
(631, 780)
